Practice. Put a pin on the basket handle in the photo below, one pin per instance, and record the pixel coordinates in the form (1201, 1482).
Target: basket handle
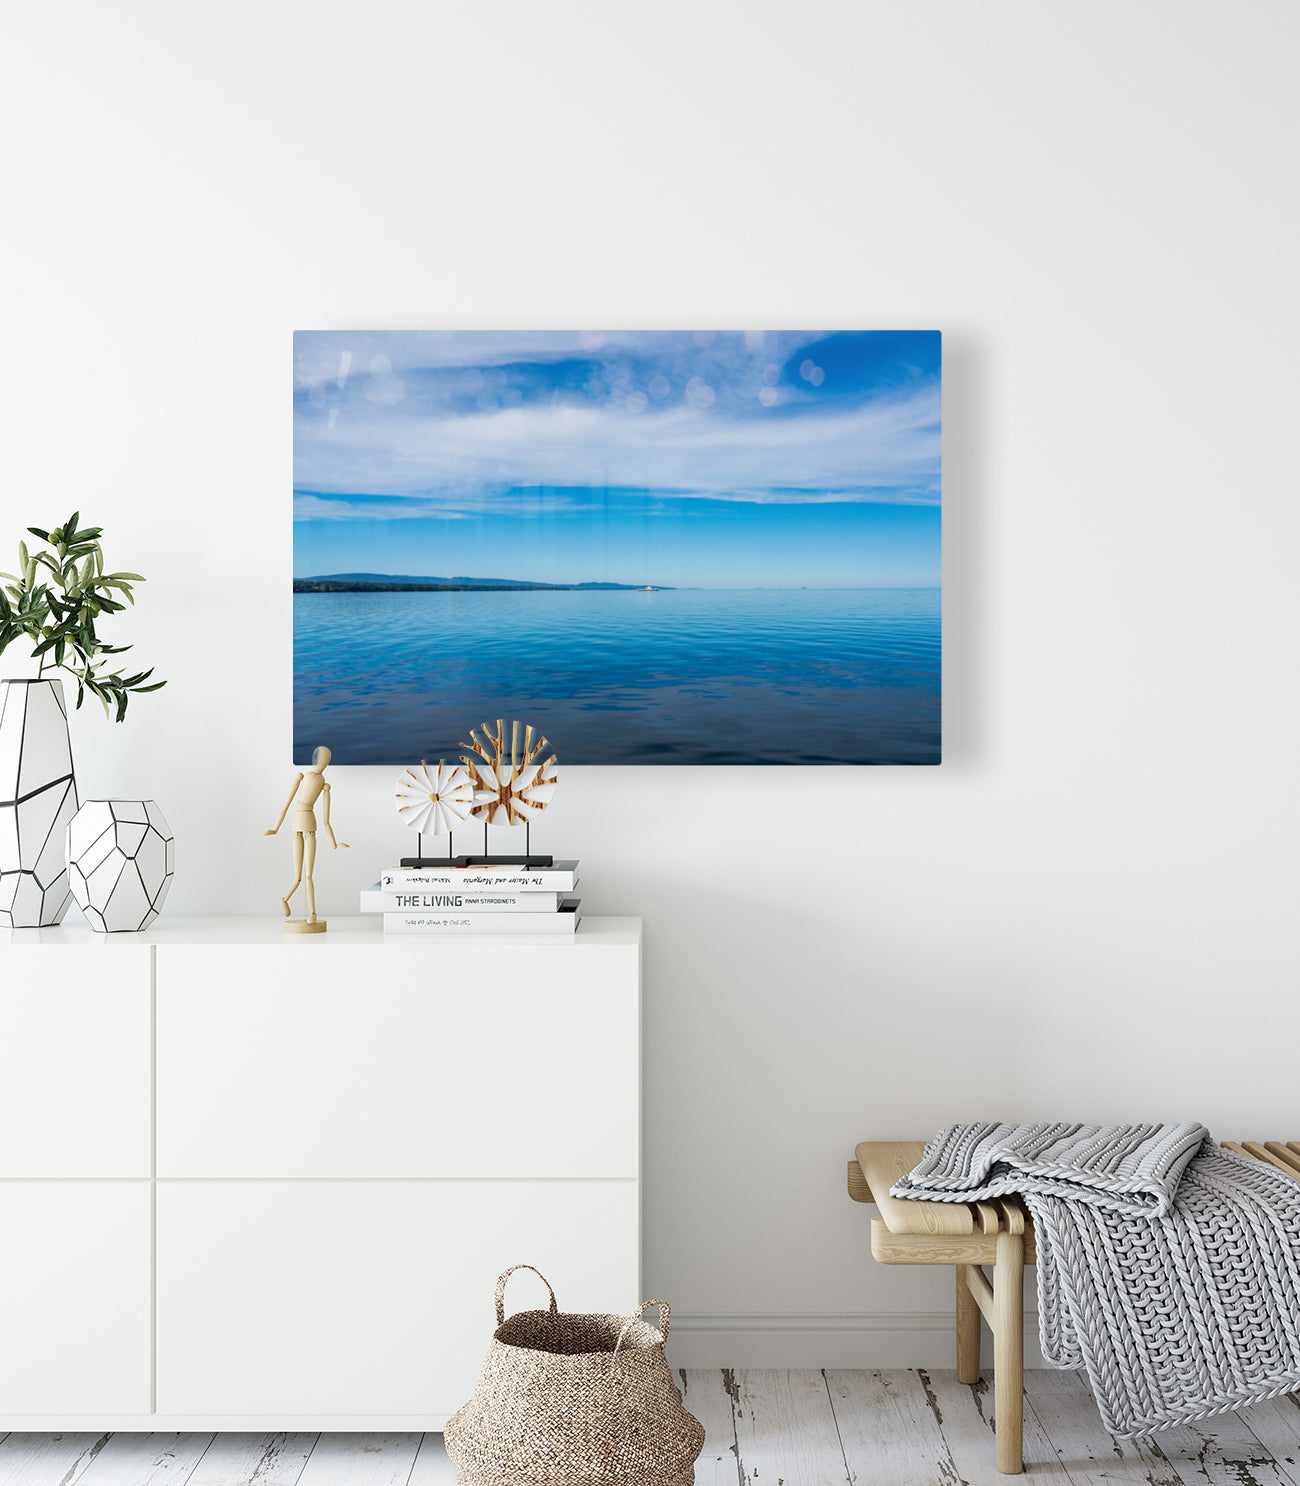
(636, 1315)
(501, 1290)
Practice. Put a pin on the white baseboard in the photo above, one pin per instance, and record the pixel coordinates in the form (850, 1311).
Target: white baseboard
(825, 1339)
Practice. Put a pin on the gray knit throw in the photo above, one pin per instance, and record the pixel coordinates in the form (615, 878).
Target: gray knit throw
(1167, 1267)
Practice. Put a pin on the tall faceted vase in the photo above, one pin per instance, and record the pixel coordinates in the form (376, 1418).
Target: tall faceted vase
(38, 797)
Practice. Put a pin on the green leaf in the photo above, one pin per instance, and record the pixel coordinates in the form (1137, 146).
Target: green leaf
(52, 640)
(57, 614)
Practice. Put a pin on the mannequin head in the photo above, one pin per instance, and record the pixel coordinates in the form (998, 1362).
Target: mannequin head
(319, 758)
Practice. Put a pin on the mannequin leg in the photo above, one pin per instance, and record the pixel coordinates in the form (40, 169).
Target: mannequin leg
(297, 867)
(309, 843)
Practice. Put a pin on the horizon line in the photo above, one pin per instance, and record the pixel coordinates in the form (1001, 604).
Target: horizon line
(612, 584)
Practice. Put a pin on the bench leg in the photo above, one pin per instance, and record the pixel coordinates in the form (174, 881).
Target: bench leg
(1009, 1351)
(968, 1330)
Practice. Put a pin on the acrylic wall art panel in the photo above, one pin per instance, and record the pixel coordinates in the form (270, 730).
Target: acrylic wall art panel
(660, 547)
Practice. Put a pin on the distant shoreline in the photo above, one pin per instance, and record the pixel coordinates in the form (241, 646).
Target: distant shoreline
(458, 583)
(317, 585)
(314, 585)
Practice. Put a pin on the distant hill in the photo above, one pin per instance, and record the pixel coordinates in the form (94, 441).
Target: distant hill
(399, 582)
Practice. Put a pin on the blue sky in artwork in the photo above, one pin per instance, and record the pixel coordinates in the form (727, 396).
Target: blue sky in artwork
(727, 459)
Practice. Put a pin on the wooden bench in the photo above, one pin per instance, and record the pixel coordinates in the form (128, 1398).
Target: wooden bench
(971, 1235)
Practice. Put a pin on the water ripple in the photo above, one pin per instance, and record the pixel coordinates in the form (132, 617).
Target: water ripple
(686, 676)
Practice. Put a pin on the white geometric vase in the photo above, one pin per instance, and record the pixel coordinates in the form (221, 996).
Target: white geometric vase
(120, 857)
(38, 797)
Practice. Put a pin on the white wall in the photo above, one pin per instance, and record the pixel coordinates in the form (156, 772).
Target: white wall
(1088, 909)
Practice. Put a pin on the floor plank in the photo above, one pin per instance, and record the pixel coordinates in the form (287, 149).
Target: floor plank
(163, 1459)
(888, 1430)
(43, 1459)
(763, 1428)
(785, 1429)
(707, 1393)
(1063, 1407)
(966, 1417)
(361, 1460)
(1275, 1423)
(253, 1460)
(1222, 1451)
(432, 1467)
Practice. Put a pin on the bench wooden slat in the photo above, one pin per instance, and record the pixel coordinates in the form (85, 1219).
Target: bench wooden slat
(1285, 1156)
(859, 1189)
(1261, 1153)
(1291, 1157)
(931, 1248)
(989, 1219)
(941, 1248)
(885, 1162)
(1013, 1215)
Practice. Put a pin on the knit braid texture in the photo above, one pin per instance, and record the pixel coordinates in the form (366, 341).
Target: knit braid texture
(1168, 1268)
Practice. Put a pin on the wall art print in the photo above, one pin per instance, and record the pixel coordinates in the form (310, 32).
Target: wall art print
(662, 547)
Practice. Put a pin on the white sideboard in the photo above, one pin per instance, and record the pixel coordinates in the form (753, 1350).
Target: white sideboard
(258, 1181)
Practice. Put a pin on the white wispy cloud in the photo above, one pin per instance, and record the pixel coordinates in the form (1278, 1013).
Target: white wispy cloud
(884, 449)
(308, 506)
(319, 355)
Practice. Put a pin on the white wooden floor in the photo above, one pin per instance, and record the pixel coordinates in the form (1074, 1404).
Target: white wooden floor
(765, 1428)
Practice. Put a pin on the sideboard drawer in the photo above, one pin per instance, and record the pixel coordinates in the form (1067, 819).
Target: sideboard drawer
(396, 1060)
(306, 1297)
(74, 1297)
(75, 1024)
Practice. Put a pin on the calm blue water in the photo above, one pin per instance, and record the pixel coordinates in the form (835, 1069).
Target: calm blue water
(847, 676)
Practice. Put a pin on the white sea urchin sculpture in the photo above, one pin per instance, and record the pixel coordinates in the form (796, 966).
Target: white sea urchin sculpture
(435, 801)
(513, 784)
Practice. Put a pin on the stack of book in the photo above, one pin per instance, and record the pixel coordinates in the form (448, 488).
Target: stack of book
(475, 898)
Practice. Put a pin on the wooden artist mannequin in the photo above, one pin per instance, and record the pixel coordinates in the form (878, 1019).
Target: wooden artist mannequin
(313, 787)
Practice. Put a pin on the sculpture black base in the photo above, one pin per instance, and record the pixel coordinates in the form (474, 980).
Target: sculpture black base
(467, 861)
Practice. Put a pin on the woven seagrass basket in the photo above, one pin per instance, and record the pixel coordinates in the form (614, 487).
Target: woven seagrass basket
(574, 1400)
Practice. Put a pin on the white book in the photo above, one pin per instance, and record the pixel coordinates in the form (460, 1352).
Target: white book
(563, 922)
(375, 900)
(562, 878)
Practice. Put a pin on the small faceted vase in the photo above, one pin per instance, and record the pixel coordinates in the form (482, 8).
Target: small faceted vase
(38, 797)
(120, 857)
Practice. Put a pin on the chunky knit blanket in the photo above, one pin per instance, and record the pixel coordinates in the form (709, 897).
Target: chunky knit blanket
(1167, 1267)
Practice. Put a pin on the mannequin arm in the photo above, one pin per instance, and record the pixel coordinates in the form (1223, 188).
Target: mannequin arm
(337, 845)
(297, 780)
